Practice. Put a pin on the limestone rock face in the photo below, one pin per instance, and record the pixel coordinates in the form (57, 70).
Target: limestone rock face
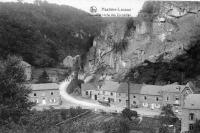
(158, 37)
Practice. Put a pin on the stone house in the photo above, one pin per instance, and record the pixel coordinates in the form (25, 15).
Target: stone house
(46, 94)
(172, 94)
(122, 95)
(27, 70)
(190, 112)
(108, 91)
(151, 96)
(89, 90)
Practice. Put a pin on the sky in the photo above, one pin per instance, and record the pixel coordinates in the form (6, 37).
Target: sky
(133, 6)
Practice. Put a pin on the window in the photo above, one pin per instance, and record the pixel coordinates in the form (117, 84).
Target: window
(145, 98)
(103, 92)
(86, 93)
(103, 97)
(119, 94)
(177, 98)
(111, 94)
(120, 100)
(157, 98)
(134, 96)
(191, 116)
(167, 98)
(51, 93)
(191, 127)
(35, 94)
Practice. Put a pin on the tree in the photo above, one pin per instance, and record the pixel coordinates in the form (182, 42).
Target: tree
(14, 101)
(167, 118)
(127, 113)
(44, 77)
(163, 129)
(167, 115)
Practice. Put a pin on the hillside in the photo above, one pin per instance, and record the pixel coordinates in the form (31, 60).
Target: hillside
(44, 34)
(159, 46)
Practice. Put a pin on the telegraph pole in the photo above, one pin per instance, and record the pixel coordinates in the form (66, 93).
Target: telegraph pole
(128, 106)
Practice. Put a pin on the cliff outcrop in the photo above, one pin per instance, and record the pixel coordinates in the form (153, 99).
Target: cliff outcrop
(161, 32)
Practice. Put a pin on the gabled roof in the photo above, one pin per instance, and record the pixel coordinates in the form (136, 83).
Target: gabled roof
(88, 86)
(192, 101)
(173, 88)
(151, 90)
(134, 88)
(111, 86)
(44, 86)
(193, 87)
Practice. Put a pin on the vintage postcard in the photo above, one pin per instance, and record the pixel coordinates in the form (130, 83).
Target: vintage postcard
(99, 66)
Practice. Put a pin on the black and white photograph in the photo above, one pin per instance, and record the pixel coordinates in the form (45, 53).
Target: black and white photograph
(99, 66)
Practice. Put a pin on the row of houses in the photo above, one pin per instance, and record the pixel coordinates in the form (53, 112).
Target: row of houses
(183, 98)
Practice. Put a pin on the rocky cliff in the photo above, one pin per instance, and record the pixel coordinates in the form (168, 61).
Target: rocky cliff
(161, 32)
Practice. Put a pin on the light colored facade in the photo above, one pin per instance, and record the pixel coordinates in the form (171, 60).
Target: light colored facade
(172, 94)
(46, 94)
(151, 96)
(190, 112)
(27, 70)
(108, 91)
(89, 90)
(122, 95)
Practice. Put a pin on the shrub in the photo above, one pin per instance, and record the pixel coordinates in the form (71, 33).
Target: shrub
(127, 113)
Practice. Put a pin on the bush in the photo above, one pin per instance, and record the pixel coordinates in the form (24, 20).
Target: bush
(127, 113)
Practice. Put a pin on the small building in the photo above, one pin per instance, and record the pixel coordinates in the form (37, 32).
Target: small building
(190, 112)
(89, 90)
(27, 70)
(151, 96)
(46, 94)
(108, 91)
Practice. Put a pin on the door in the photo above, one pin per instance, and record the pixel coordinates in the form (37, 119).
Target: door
(95, 97)
(43, 101)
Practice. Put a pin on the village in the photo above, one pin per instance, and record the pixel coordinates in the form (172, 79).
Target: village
(146, 99)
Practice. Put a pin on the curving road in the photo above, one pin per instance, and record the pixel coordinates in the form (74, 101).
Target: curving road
(63, 92)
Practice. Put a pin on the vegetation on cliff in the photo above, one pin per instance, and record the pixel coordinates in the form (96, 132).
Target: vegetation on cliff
(44, 34)
(179, 57)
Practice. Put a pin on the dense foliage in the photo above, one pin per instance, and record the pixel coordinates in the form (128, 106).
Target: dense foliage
(181, 69)
(44, 34)
(42, 121)
(14, 101)
(127, 113)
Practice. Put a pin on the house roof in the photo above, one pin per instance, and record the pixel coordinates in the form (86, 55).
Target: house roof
(111, 86)
(194, 87)
(173, 88)
(25, 64)
(44, 86)
(192, 101)
(151, 90)
(134, 88)
(88, 86)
